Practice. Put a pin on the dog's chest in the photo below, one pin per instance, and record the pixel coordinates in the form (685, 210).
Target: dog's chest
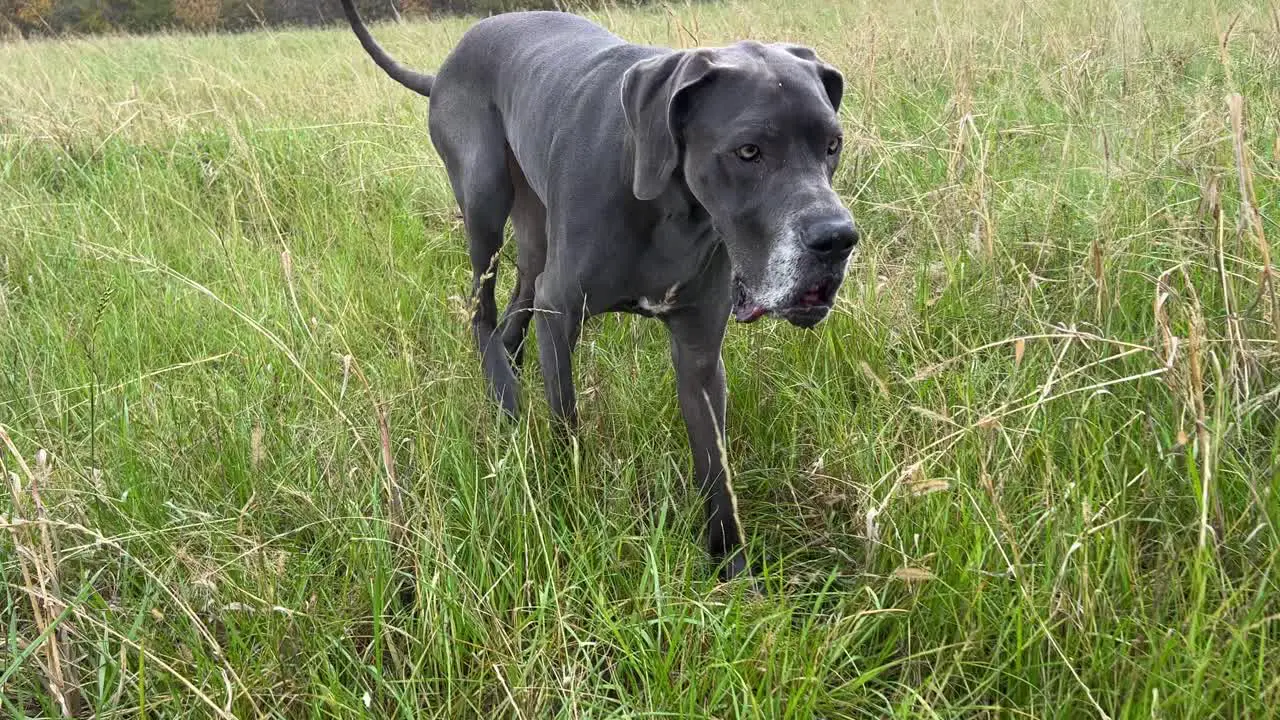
(660, 291)
(662, 305)
(667, 274)
(670, 284)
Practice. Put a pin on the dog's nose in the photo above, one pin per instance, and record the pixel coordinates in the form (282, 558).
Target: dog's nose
(831, 238)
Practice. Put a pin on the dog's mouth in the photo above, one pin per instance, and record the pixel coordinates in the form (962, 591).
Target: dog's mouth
(745, 308)
(805, 309)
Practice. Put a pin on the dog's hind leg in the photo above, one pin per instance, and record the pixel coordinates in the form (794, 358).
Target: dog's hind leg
(514, 325)
(529, 216)
(474, 149)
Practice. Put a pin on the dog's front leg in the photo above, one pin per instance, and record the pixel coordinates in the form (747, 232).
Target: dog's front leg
(700, 385)
(558, 318)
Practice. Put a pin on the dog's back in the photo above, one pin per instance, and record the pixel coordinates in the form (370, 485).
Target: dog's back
(545, 73)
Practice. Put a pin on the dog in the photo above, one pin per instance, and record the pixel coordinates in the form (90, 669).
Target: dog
(684, 185)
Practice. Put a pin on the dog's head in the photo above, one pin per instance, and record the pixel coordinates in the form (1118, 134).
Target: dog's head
(751, 131)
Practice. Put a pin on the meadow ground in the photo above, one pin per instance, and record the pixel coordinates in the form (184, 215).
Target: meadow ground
(1029, 468)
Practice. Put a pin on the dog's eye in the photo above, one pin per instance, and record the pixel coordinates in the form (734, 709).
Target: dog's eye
(748, 153)
(834, 146)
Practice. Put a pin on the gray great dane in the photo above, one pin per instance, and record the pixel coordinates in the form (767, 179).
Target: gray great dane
(686, 185)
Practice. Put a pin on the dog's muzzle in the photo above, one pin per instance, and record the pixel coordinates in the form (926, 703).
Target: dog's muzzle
(827, 245)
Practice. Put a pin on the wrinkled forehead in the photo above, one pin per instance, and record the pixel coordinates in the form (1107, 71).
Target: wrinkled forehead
(757, 85)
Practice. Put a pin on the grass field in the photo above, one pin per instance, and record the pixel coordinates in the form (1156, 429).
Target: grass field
(1030, 467)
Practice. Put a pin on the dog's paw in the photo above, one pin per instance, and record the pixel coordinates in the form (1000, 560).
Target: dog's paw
(736, 568)
(406, 592)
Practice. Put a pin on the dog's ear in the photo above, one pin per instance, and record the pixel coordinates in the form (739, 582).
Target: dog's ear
(832, 80)
(654, 92)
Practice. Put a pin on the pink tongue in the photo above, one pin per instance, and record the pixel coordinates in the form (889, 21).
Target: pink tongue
(748, 313)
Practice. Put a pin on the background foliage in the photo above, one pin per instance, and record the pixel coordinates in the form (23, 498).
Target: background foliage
(43, 17)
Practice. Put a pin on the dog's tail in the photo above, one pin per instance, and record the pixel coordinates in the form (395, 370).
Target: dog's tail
(418, 82)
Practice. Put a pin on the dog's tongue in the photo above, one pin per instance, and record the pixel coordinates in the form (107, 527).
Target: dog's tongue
(748, 312)
(745, 309)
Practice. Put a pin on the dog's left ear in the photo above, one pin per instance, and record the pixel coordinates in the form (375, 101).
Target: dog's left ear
(832, 80)
(654, 92)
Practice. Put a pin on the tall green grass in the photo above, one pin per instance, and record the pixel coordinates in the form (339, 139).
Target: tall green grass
(1028, 468)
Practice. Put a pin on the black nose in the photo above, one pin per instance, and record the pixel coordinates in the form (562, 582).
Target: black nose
(832, 238)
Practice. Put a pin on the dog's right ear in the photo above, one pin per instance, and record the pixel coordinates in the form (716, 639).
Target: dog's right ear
(653, 93)
(832, 80)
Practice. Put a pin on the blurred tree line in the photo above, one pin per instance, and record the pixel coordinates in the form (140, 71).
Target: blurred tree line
(54, 17)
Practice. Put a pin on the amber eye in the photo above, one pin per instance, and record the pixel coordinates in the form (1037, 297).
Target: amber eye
(748, 153)
(834, 146)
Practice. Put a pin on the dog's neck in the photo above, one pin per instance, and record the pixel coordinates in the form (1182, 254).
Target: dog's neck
(683, 232)
(681, 212)
(676, 210)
